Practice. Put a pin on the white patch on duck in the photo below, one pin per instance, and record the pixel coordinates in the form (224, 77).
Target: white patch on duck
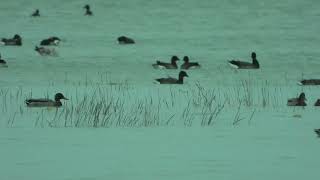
(194, 67)
(233, 66)
(299, 83)
(157, 66)
(56, 42)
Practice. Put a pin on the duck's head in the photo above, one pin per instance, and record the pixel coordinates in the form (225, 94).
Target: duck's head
(16, 36)
(59, 96)
(36, 48)
(174, 58)
(253, 55)
(122, 38)
(54, 38)
(186, 59)
(183, 74)
(86, 7)
(302, 97)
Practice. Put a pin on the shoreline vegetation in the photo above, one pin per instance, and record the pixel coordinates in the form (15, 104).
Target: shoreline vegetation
(124, 105)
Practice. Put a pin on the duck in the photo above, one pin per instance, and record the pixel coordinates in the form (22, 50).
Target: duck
(165, 65)
(317, 131)
(88, 11)
(309, 82)
(246, 65)
(317, 103)
(125, 40)
(299, 101)
(45, 51)
(46, 102)
(15, 41)
(187, 64)
(171, 80)
(3, 63)
(51, 41)
(36, 13)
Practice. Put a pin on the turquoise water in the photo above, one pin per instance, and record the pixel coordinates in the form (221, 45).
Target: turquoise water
(160, 140)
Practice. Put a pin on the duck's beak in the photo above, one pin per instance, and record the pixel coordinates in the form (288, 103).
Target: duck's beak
(65, 98)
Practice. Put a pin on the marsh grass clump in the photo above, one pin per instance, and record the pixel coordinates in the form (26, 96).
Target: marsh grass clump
(122, 105)
(109, 108)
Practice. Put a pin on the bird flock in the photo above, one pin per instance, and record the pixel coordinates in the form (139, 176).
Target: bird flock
(44, 50)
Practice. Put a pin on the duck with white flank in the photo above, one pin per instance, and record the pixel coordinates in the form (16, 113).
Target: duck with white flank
(164, 65)
(246, 65)
(36, 13)
(45, 51)
(51, 41)
(46, 102)
(189, 65)
(299, 101)
(171, 80)
(88, 10)
(309, 82)
(3, 63)
(125, 40)
(15, 41)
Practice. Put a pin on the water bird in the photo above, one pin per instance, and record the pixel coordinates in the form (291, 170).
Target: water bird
(3, 63)
(51, 41)
(88, 10)
(317, 131)
(299, 101)
(46, 102)
(317, 103)
(171, 80)
(36, 13)
(188, 65)
(309, 82)
(15, 41)
(165, 65)
(125, 40)
(45, 51)
(246, 65)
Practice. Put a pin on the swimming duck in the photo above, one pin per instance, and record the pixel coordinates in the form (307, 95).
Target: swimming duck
(51, 41)
(317, 131)
(125, 40)
(171, 80)
(299, 101)
(46, 102)
(88, 11)
(246, 65)
(317, 103)
(309, 82)
(36, 13)
(3, 63)
(187, 64)
(45, 51)
(15, 41)
(172, 65)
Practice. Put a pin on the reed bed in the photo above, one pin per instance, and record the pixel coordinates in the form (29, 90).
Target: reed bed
(121, 105)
